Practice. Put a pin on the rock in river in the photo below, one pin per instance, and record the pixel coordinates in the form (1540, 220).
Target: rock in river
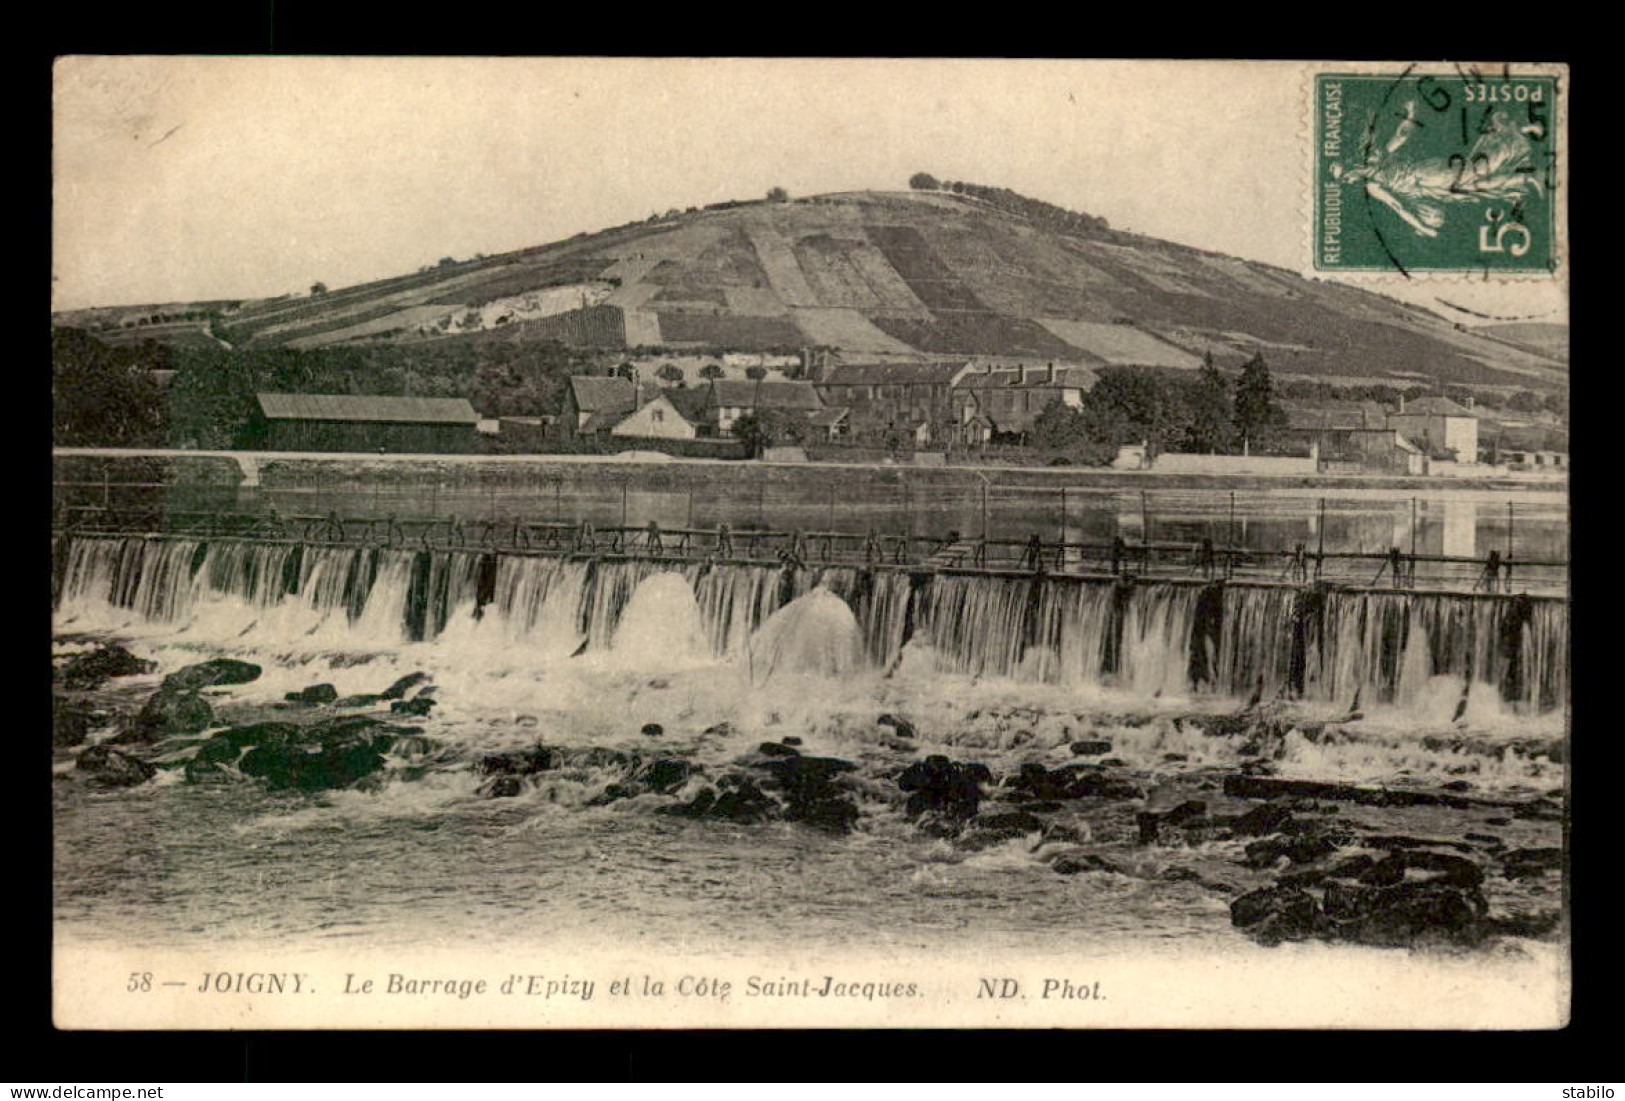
(208, 674)
(169, 711)
(951, 789)
(110, 768)
(89, 669)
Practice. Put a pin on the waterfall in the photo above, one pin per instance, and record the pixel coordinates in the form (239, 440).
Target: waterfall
(1426, 652)
(815, 634)
(661, 624)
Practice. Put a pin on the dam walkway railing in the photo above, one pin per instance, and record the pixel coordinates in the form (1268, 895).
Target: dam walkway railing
(1201, 562)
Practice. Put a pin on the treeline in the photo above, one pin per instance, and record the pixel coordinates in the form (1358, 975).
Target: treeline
(109, 396)
(1202, 412)
(1035, 210)
(103, 396)
(1555, 402)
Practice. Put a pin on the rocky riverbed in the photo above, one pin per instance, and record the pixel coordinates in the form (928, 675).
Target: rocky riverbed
(1220, 804)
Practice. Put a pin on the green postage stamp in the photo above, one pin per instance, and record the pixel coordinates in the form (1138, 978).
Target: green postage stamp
(1436, 171)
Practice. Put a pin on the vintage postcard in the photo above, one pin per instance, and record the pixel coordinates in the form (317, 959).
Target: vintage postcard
(648, 543)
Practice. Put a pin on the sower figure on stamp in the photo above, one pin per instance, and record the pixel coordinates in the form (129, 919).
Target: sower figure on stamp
(1499, 166)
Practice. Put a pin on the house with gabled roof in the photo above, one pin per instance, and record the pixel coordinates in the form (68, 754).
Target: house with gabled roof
(594, 404)
(729, 399)
(1441, 427)
(1007, 400)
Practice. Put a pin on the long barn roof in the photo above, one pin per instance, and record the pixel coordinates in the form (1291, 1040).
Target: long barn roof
(367, 407)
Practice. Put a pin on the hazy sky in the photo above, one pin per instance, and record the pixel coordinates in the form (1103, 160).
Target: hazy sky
(193, 178)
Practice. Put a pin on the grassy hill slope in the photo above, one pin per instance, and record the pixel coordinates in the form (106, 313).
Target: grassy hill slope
(901, 274)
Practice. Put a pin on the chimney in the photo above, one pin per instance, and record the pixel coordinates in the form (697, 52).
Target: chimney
(1402, 403)
(1470, 400)
(1049, 378)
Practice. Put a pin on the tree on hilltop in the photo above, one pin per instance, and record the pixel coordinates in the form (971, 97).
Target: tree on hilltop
(778, 195)
(924, 181)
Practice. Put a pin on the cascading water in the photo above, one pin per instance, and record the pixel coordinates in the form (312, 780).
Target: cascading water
(815, 634)
(1434, 652)
(661, 626)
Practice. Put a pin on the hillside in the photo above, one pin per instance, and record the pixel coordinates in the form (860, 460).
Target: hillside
(1540, 337)
(893, 274)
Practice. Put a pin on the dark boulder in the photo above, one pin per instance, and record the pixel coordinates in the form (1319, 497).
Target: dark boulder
(615, 792)
(738, 799)
(418, 705)
(170, 711)
(1040, 783)
(255, 733)
(811, 792)
(208, 674)
(517, 762)
(1088, 748)
(1302, 849)
(1433, 867)
(1015, 823)
(1073, 863)
(399, 689)
(1266, 819)
(790, 740)
(365, 699)
(1150, 824)
(1243, 786)
(986, 830)
(334, 758)
(652, 730)
(107, 767)
(1271, 915)
(666, 774)
(900, 726)
(217, 750)
(501, 787)
(950, 789)
(595, 756)
(1101, 785)
(1524, 863)
(1407, 914)
(316, 693)
(93, 667)
(777, 749)
(70, 722)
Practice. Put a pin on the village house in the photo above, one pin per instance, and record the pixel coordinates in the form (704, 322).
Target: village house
(1439, 427)
(729, 399)
(889, 396)
(597, 405)
(1353, 436)
(1526, 447)
(1005, 401)
(656, 418)
(594, 404)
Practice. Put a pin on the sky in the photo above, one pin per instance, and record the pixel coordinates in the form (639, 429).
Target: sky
(180, 179)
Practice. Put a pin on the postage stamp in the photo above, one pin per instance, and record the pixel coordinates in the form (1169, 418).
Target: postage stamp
(1446, 171)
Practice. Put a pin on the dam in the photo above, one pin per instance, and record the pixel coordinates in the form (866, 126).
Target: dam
(1152, 619)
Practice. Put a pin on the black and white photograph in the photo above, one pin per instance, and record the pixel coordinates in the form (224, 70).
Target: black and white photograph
(723, 543)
